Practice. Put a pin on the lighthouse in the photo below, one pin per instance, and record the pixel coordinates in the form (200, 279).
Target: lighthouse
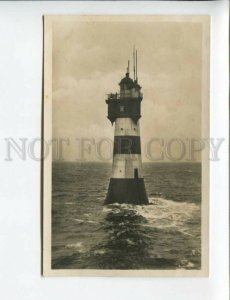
(124, 109)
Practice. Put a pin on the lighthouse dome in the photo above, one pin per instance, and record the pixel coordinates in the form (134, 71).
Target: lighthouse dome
(126, 82)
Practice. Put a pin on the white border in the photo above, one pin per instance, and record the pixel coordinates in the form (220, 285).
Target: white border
(20, 82)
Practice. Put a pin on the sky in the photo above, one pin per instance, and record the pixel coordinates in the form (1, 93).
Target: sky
(89, 58)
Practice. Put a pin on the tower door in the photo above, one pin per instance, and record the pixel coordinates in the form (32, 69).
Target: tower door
(136, 173)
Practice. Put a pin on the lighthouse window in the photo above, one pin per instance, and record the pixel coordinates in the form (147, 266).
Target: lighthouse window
(122, 108)
(136, 173)
(121, 128)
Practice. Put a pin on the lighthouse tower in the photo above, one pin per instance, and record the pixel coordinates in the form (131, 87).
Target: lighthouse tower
(124, 109)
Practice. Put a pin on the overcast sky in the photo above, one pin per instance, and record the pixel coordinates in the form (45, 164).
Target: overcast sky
(90, 58)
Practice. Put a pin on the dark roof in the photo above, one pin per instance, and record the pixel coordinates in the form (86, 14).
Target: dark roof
(127, 81)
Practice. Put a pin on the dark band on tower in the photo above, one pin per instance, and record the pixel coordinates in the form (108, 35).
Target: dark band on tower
(126, 183)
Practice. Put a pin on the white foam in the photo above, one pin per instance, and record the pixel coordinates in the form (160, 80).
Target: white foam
(167, 213)
(79, 220)
(87, 215)
(91, 222)
(78, 246)
(162, 213)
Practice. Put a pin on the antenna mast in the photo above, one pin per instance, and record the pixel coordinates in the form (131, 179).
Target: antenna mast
(134, 62)
(136, 66)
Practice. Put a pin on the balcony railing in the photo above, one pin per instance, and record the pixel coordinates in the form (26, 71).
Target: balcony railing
(118, 96)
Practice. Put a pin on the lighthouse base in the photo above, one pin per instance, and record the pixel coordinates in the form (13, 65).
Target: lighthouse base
(127, 190)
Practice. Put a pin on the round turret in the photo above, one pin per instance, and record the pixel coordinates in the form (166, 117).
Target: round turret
(126, 83)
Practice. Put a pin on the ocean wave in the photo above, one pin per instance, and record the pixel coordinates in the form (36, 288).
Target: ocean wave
(161, 213)
(76, 246)
(81, 221)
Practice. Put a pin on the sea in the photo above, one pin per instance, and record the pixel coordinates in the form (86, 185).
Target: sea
(164, 235)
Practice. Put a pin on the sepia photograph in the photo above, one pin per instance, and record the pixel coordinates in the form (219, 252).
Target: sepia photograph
(126, 152)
